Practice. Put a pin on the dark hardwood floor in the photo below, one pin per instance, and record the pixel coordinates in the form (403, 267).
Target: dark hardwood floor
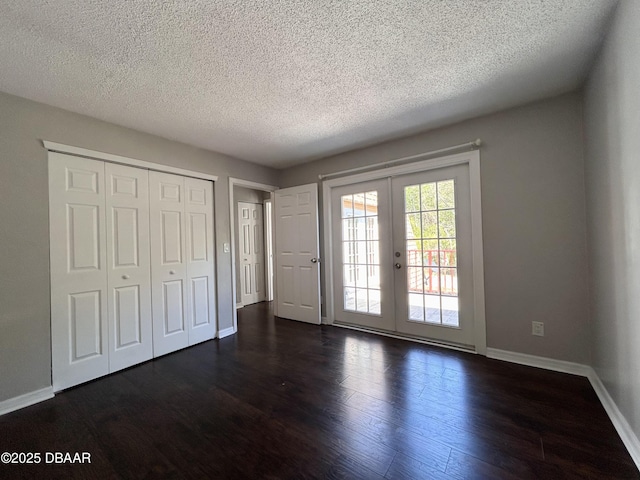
(283, 399)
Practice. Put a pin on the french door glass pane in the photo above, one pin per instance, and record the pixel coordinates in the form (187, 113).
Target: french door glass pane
(432, 274)
(361, 252)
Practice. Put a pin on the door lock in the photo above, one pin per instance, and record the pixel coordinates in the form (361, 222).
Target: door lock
(398, 266)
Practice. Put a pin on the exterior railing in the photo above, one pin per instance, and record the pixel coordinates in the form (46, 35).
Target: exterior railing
(432, 272)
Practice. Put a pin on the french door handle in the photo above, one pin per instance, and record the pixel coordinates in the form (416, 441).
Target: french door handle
(398, 266)
(315, 260)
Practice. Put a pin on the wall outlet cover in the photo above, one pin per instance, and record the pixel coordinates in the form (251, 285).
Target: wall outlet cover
(537, 328)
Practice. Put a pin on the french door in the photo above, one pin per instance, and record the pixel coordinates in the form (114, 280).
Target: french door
(363, 288)
(403, 255)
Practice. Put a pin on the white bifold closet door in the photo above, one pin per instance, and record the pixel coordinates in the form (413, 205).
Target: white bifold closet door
(132, 267)
(182, 258)
(100, 272)
(200, 259)
(128, 266)
(79, 330)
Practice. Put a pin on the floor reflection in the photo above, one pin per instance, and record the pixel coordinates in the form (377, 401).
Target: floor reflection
(367, 411)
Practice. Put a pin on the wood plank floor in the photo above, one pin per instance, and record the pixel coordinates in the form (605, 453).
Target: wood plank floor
(283, 399)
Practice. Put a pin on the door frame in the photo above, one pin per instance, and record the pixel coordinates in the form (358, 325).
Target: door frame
(472, 159)
(131, 162)
(268, 248)
(242, 303)
(233, 182)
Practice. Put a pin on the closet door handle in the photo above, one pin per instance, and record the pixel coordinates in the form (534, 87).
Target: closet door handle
(172, 272)
(125, 277)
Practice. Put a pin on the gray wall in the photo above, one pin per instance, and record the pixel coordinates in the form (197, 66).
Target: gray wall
(25, 351)
(533, 206)
(612, 131)
(241, 194)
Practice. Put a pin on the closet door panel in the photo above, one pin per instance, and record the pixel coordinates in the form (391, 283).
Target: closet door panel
(79, 329)
(200, 260)
(171, 315)
(129, 266)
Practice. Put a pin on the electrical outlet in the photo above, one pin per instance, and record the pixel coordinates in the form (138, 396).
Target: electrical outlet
(537, 328)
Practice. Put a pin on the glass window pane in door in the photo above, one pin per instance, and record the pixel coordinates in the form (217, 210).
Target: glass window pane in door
(360, 252)
(447, 250)
(374, 301)
(430, 226)
(414, 253)
(432, 308)
(347, 206)
(430, 252)
(416, 307)
(358, 205)
(428, 197)
(349, 298)
(449, 307)
(446, 195)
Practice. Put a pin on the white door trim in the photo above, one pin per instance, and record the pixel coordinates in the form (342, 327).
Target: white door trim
(268, 248)
(473, 160)
(109, 157)
(232, 214)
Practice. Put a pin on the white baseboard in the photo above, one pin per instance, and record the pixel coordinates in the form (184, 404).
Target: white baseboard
(239, 305)
(226, 332)
(628, 436)
(539, 362)
(31, 398)
(324, 321)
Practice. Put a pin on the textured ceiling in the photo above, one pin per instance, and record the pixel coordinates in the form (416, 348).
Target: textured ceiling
(281, 82)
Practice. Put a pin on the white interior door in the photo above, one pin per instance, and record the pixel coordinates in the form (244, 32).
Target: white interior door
(252, 258)
(432, 241)
(171, 315)
(362, 258)
(79, 325)
(296, 249)
(128, 266)
(200, 260)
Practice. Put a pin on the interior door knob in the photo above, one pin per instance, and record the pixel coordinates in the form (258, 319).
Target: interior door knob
(398, 266)
(314, 260)
(125, 277)
(172, 272)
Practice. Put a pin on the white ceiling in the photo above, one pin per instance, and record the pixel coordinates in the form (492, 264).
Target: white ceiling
(282, 82)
